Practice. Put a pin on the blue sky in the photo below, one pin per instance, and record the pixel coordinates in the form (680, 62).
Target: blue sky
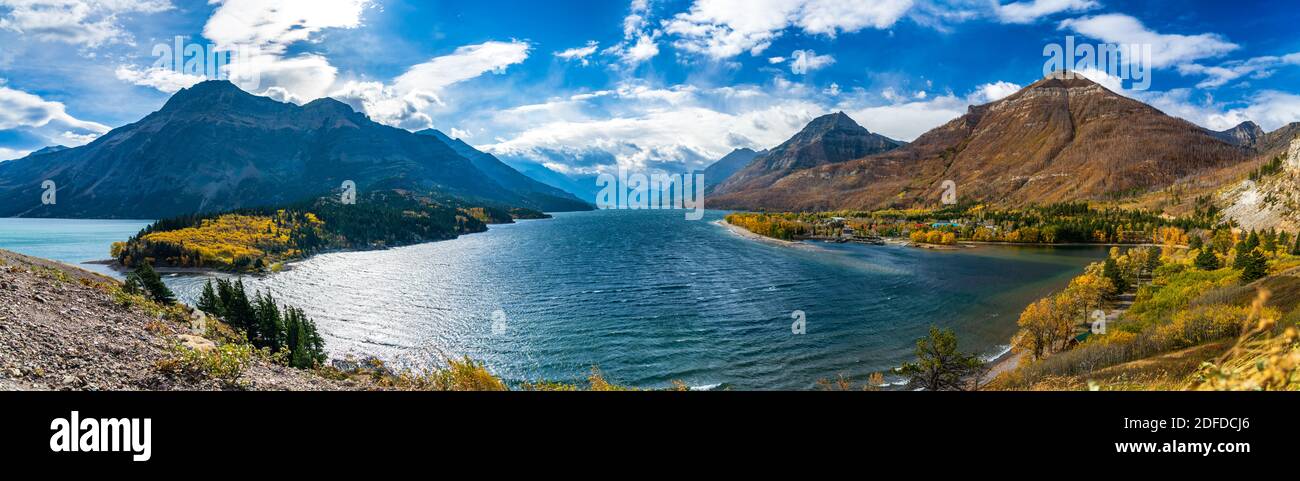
(583, 85)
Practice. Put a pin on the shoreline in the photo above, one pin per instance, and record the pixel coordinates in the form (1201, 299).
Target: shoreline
(285, 265)
(746, 234)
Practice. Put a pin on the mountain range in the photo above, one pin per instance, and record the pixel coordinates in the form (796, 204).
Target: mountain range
(827, 140)
(727, 166)
(1062, 138)
(213, 147)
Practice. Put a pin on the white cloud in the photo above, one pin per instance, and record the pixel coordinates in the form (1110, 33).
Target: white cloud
(776, 60)
(1167, 49)
(906, 117)
(907, 120)
(640, 41)
(804, 61)
(89, 23)
(1270, 109)
(580, 54)
(44, 119)
(465, 63)
(646, 127)
(274, 25)
(162, 79)
(265, 29)
(10, 154)
(675, 127)
(722, 29)
(1031, 11)
(1256, 68)
(993, 91)
(406, 101)
(22, 109)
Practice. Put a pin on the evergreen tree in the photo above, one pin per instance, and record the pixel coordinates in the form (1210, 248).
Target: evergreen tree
(940, 366)
(1152, 260)
(146, 281)
(1268, 241)
(239, 312)
(306, 348)
(270, 326)
(1195, 242)
(1110, 270)
(264, 323)
(1206, 260)
(133, 284)
(1295, 250)
(1246, 245)
(209, 302)
(1255, 266)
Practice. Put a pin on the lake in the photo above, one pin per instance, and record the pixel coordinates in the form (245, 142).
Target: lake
(71, 241)
(650, 298)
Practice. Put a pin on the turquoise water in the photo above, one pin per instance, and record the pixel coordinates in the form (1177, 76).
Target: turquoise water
(650, 298)
(645, 295)
(67, 240)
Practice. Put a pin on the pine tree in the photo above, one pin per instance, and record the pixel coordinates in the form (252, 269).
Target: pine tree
(940, 366)
(1110, 270)
(306, 347)
(1206, 260)
(1256, 266)
(239, 312)
(270, 326)
(209, 302)
(150, 283)
(1152, 260)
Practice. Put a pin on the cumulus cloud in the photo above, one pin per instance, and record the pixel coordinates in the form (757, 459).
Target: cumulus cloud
(580, 54)
(906, 116)
(722, 29)
(990, 92)
(681, 127)
(404, 102)
(640, 41)
(44, 120)
(162, 79)
(645, 127)
(804, 61)
(1032, 11)
(1271, 109)
(263, 30)
(1167, 49)
(89, 23)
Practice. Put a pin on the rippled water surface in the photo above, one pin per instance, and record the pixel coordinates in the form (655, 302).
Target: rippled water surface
(645, 295)
(650, 297)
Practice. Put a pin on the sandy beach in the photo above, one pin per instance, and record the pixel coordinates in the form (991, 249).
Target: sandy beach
(742, 232)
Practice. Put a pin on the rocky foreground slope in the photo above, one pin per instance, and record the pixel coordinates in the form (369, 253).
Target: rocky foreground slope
(63, 328)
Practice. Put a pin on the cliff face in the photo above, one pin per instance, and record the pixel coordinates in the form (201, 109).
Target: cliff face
(1058, 139)
(61, 328)
(1245, 134)
(1272, 202)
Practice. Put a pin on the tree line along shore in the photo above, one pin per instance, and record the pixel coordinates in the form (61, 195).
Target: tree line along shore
(1190, 304)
